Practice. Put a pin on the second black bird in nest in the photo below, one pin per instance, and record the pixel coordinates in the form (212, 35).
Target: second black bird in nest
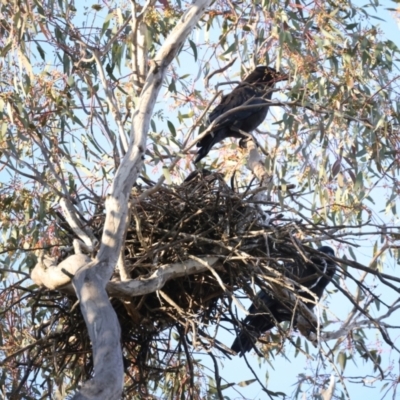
(314, 276)
(255, 90)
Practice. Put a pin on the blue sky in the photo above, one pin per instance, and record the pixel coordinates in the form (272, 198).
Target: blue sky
(283, 374)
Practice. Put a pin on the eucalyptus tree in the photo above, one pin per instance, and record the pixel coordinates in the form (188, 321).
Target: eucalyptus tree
(101, 106)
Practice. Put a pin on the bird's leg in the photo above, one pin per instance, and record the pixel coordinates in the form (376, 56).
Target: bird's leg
(246, 137)
(307, 329)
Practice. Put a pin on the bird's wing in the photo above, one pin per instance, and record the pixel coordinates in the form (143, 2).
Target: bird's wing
(309, 275)
(247, 119)
(260, 321)
(209, 141)
(328, 268)
(238, 97)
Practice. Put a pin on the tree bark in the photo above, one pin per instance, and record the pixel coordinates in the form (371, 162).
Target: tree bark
(90, 281)
(48, 274)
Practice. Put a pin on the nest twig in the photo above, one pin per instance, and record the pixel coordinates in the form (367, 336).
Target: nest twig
(201, 217)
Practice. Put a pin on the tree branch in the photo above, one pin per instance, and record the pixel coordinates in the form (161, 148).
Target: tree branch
(90, 281)
(70, 216)
(52, 276)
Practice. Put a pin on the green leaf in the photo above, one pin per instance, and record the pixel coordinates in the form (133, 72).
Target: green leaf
(71, 81)
(167, 176)
(298, 345)
(246, 383)
(106, 23)
(171, 128)
(41, 51)
(194, 48)
(227, 385)
(230, 49)
(351, 26)
(5, 49)
(341, 360)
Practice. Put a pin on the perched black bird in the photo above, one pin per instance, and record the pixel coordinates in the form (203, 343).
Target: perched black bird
(254, 90)
(279, 312)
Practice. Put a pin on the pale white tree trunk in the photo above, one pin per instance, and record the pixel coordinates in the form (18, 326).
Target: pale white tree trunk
(90, 281)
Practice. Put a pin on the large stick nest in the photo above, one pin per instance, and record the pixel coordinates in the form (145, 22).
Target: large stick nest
(202, 217)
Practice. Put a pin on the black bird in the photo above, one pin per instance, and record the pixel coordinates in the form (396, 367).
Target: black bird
(256, 89)
(200, 174)
(256, 325)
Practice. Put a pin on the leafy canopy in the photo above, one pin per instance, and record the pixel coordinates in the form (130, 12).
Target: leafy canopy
(71, 79)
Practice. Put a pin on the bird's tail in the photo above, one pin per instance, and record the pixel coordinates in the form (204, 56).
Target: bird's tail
(250, 333)
(205, 145)
(243, 343)
(208, 142)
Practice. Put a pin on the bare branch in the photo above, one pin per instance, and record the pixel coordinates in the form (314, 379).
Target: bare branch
(111, 100)
(84, 234)
(218, 71)
(90, 281)
(327, 394)
(256, 164)
(52, 276)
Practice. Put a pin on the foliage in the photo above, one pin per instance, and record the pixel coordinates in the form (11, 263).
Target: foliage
(71, 79)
